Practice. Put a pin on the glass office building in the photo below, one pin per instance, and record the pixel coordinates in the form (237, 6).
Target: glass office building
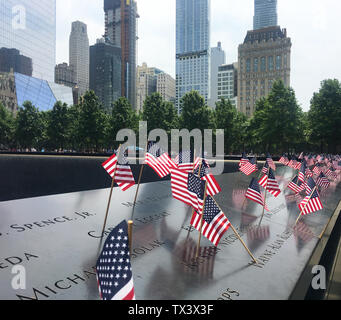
(192, 48)
(265, 14)
(16, 88)
(30, 27)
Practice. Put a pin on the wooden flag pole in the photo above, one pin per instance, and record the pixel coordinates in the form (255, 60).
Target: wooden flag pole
(111, 189)
(240, 239)
(265, 197)
(130, 234)
(202, 220)
(304, 207)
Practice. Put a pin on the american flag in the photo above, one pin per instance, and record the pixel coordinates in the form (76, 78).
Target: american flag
(310, 161)
(284, 160)
(317, 169)
(330, 173)
(301, 174)
(265, 168)
(110, 165)
(213, 186)
(310, 185)
(113, 268)
(311, 203)
(296, 185)
(269, 183)
(249, 167)
(322, 181)
(185, 161)
(308, 173)
(159, 160)
(270, 162)
(243, 160)
(253, 193)
(196, 189)
(179, 184)
(215, 223)
(122, 171)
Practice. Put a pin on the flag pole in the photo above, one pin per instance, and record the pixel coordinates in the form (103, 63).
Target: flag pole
(304, 207)
(130, 234)
(240, 239)
(202, 219)
(265, 197)
(111, 189)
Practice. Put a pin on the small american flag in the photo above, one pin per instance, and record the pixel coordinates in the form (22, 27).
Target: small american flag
(159, 160)
(284, 160)
(317, 169)
(296, 185)
(249, 167)
(270, 162)
(330, 173)
(243, 160)
(203, 167)
(301, 174)
(322, 181)
(122, 171)
(265, 168)
(215, 223)
(269, 183)
(253, 193)
(113, 268)
(311, 204)
(310, 185)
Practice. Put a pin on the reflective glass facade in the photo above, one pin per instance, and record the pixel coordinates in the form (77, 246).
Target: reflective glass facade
(41, 93)
(265, 14)
(30, 27)
(192, 48)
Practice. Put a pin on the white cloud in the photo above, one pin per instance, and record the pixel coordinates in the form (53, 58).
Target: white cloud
(313, 26)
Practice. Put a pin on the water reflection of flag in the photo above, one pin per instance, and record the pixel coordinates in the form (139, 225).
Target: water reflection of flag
(258, 233)
(238, 196)
(303, 232)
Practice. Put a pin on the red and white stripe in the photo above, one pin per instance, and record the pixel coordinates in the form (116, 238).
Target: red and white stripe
(161, 165)
(296, 188)
(110, 165)
(213, 231)
(179, 184)
(310, 206)
(256, 197)
(248, 168)
(126, 293)
(124, 177)
(270, 185)
(213, 186)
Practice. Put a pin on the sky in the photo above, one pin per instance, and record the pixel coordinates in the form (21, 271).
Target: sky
(312, 25)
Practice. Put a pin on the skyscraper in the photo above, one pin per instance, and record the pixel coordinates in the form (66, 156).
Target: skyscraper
(105, 72)
(11, 59)
(265, 14)
(192, 48)
(79, 55)
(30, 27)
(263, 58)
(121, 30)
(218, 58)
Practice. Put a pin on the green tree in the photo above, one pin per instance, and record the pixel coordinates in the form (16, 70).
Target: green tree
(29, 126)
(325, 116)
(159, 114)
(122, 117)
(92, 122)
(58, 126)
(6, 127)
(277, 122)
(195, 113)
(225, 116)
(73, 132)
